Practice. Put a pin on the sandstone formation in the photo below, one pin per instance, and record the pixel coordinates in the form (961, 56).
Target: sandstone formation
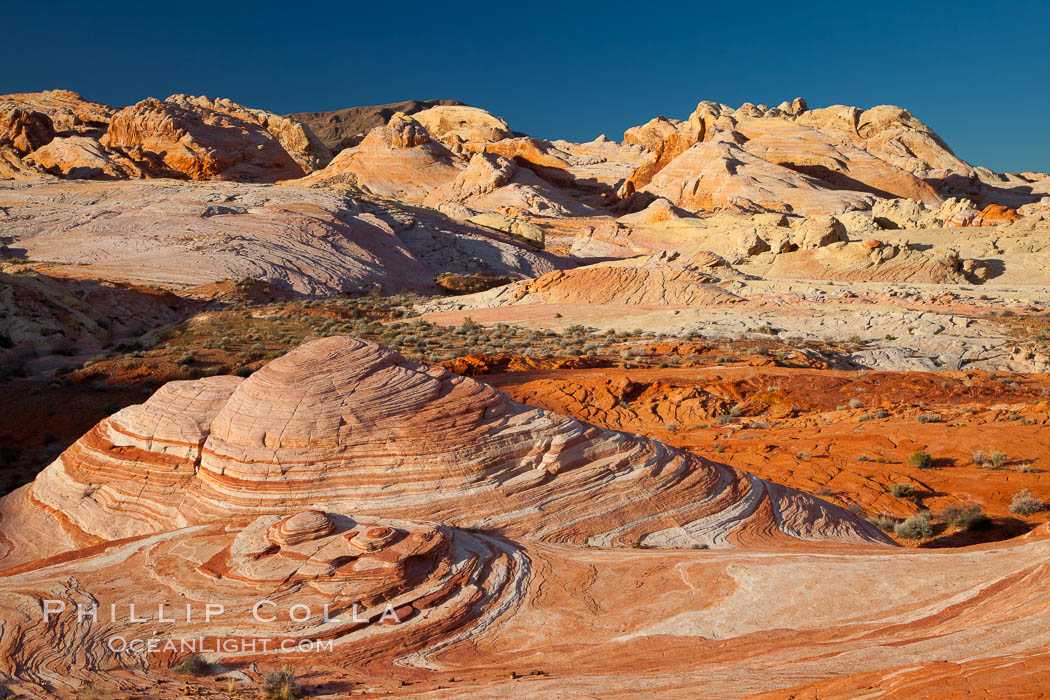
(375, 588)
(307, 242)
(70, 113)
(221, 447)
(343, 128)
(24, 130)
(720, 175)
(818, 301)
(755, 158)
(462, 126)
(397, 161)
(167, 139)
(294, 137)
(891, 133)
(47, 320)
(82, 158)
(664, 279)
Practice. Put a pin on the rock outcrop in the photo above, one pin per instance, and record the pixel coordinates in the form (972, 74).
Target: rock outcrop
(455, 450)
(82, 158)
(295, 137)
(722, 176)
(314, 243)
(398, 161)
(664, 279)
(344, 128)
(373, 588)
(462, 126)
(168, 139)
(22, 129)
(70, 113)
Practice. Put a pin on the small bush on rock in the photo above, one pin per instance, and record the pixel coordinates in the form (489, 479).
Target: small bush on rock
(917, 527)
(1025, 503)
(920, 459)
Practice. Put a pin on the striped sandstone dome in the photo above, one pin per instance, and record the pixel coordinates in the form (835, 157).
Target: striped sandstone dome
(342, 424)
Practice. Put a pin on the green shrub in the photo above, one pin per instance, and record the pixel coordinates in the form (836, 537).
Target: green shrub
(969, 516)
(920, 459)
(1025, 503)
(902, 490)
(916, 527)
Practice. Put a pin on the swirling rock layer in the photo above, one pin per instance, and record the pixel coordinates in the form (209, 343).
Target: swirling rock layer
(340, 423)
(359, 588)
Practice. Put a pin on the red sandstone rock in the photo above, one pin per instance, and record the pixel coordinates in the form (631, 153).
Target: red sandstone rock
(70, 113)
(82, 158)
(995, 215)
(722, 176)
(295, 137)
(24, 129)
(166, 139)
(398, 160)
(455, 450)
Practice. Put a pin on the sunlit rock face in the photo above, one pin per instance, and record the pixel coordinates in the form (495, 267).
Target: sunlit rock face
(354, 587)
(344, 424)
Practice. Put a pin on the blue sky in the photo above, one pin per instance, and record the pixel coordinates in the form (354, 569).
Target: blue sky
(978, 73)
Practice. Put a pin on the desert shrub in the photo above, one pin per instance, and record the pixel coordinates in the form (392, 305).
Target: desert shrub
(929, 418)
(825, 491)
(920, 459)
(865, 417)
(902, 490)
(916, 527)
(856, 403)
(282, 685)
(995, 460)
(969, 516)
(469, 324)
(1024, 468)
(882, 414)
(192, 665)
(883, 522)
(671, 426)
(90, 691)
(1025, 503)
